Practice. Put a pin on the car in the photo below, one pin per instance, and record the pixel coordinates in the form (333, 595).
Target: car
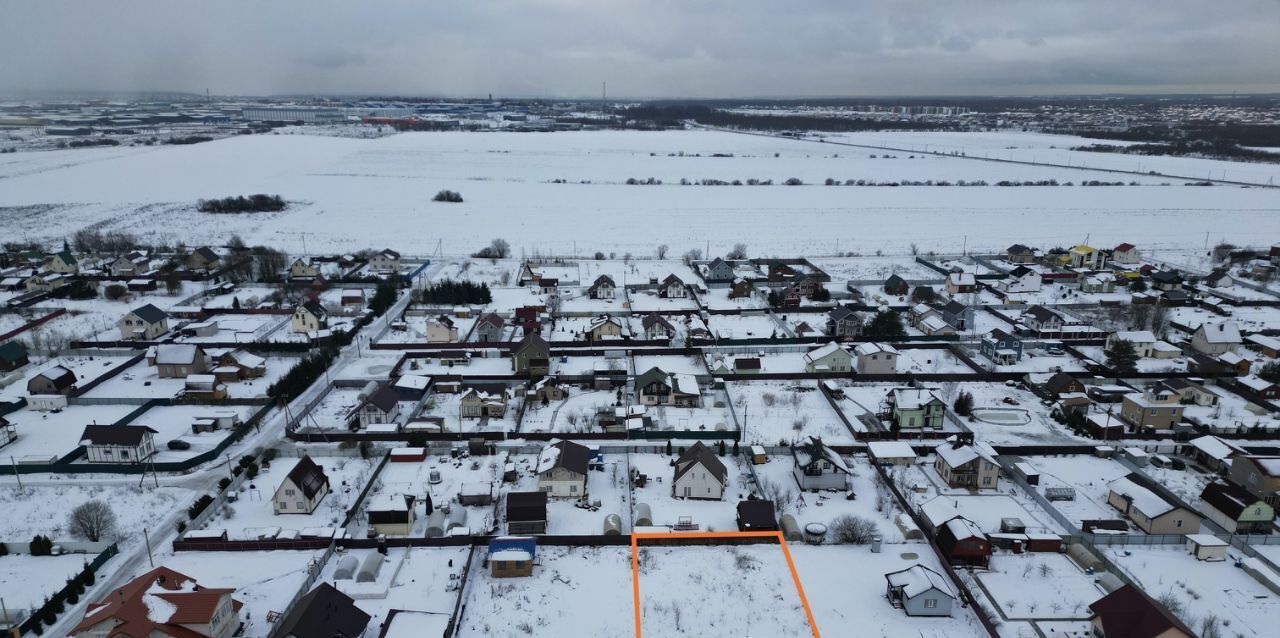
(179, 444)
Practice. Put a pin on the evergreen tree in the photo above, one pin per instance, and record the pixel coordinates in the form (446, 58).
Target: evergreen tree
(964, 403)
(885, 325)
(1270, 372)
(1122, 357)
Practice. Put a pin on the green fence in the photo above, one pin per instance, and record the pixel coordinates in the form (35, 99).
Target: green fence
(60, 599)
(668, 435)
(67, 465)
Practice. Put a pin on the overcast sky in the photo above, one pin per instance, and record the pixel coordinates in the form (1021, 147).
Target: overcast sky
(643, 48)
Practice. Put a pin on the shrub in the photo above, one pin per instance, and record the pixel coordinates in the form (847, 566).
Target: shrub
(854, 530)
(224, 483)
(448, 196)
(258, 203)
(497, 249)
(200, 505)
(41, 546)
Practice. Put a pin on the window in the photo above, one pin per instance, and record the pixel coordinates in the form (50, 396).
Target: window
(284, 505)
(931, 603)
(290, 492)
(573, 489)
(1179, 524)
(124, 454)
(986, 480)
(301, 505)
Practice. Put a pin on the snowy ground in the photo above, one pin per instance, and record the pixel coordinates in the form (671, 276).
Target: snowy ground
(1202, 589)
(26, 581)
(775, 411)
(329, 180)
(574, 591)
(55, 434)
(766, 600)
(1040, 585)
(709, 515)
(1089, 476)
(1009, 415)
(253, 512)
(576, 413)
(43, 508)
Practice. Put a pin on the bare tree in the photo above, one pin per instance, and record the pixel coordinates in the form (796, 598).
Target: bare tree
(92, 521)
(854, 530)
(662, 251)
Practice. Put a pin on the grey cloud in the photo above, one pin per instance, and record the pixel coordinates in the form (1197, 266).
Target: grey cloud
(696, 48)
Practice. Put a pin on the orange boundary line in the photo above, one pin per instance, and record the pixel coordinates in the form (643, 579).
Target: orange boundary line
(782, 542)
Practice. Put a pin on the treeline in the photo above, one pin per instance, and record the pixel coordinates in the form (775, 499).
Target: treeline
(455, 293)
(676, 114)
(252, 204)
(104, 141)
(1225, 134)
(831, 181)
(190, 139)
(1212, 150)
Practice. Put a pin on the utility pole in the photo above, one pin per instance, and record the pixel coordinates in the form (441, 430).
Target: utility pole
(148, 539)
(15, 471)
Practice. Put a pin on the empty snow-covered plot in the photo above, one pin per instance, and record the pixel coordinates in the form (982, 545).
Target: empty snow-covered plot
(1089, 476)
(573, 591)
(1040, 585)
(26, 581)
(46, 435)
(253, 513)
(773, 411)
(43, 508)
(752, 585)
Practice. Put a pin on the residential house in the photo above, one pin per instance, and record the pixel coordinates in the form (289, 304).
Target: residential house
(963, 543)
(740, 289)
(528, 274)
(1150, 511)
(935, 325)
(490, 328)
(916, 408)
(1217, 278)
(1261, 387)
(1264, 345)
(303, 270)
(923, 294)
(179, 360)
(62, 263)
(531, 356)
(144, 323)
(549, 285)
(1018, 280)
(55, 380)
(656, 328)
(959, 283)
(203, 258)
(323, 612)
(392, 514)
(118, 443)
(1083, 256)
(605, 327)
(603, 288)
(656, 387)
(381, 406)
(876, 358)
(124, 266)
(1260, 474)
(757, 516)
(246, 365)
(386, 261)
(352, 300)
(302, 488)
(1191, 393)
(1098, 282)
(1128, 612)
(13, 355)
(1153, 409)
(958, 315)
(46, 282)
(527, 513)
(920, 591)
(672, 288)
(1019, 254)
(162, 603)
(441, 329)
(1001, 347)
(1039, 319)
(699, 474)
(1166, 280)
(829, 358)
(967, 466)
(896, 285)
(718, 271)
(1212, 452)
(917, 313)
(1126, 254)
(1144, 341)
(1234, 509)
(815, 466)
(310, 316)
(562, 469)
(482, 404)
(547, 390)
(843, 322)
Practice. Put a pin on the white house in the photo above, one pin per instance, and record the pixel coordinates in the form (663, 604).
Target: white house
(1020, 279)
(1126, 254)
(309, 316)
(118, 443)
(1216, 337)
(699, 474)
(829, 358)
(562, 469)
(143, 323)
(818, 467)
(441, 330)
(382, 406)
(302, 489)
(1144, 341)
(876, 358)
(387, 261)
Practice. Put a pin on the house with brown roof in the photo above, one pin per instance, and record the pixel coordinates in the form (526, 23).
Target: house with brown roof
(562, 469)
(602, 288)
(309, 316)
(381, 406)
(657, 328)
(162, 602)
(1236, 510)
(203, 258)
(55, 380)
(118, 443)
(1129, 612)
(302, 489)
(699, 474)
(1259, 474)
(672, 288)
(323, 612)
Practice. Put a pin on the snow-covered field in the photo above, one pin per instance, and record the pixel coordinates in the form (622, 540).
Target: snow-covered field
(43, 508)
(381, 188)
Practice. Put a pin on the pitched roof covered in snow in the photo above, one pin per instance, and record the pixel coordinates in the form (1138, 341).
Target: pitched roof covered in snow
(1220, 332)
(825, 351)
(159, 602)
(1141, 498)
(571, 456)
(700, 454)
(805, 454)
(918, 579)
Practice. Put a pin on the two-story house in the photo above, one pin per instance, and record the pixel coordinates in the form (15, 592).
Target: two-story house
(967, 466)
(161, 603)
(815, 466)
(916, 408)
(143, 323)
(302, 488)
(562, 469)
(699, 474)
